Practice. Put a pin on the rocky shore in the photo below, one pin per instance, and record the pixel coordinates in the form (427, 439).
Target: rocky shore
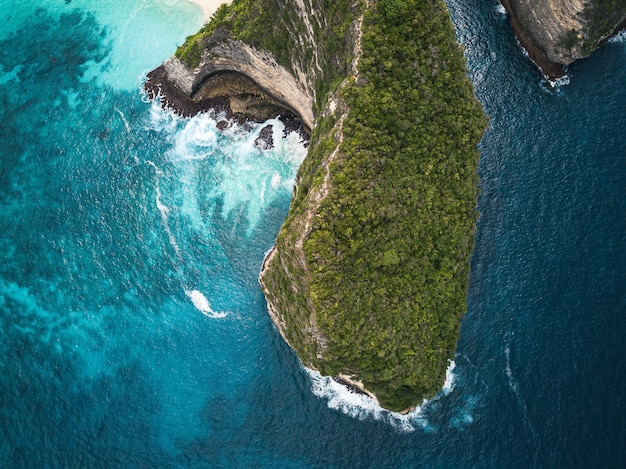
(234, 78)
(549, 69)
(556, 33)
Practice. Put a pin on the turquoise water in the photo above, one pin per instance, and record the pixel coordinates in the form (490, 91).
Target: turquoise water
(133, 330)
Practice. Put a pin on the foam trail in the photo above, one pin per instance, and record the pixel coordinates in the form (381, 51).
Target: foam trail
(164, 211)
(197, 298)
(515, 388)
(126, 124)
(202, 304)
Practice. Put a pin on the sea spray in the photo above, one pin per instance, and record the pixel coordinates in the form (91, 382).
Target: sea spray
(202, 304)
(362, 407)
(226, 168)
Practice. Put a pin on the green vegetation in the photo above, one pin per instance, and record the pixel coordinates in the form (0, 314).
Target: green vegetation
(570, 39)
(602, 17)
(191, 51)
(388, 257)
(378, 287)
(270, 25)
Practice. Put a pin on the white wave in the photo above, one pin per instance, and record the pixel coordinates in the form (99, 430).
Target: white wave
(196, 140)
(360, 406)
(507, 354)
(276, 179)
(363, 407)
(556, 84)
(513, 385)
(202, 304)
(162, 120)
(619, 38)
(500, 9)
(448, 385)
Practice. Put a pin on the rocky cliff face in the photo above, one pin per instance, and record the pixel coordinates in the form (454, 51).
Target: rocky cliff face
(250, 80)
(258, 60)
(558, 32)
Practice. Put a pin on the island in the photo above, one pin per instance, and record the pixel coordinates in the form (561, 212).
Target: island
(368, 277)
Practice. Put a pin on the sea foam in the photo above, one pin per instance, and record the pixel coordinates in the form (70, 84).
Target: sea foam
(363, 407)
(202, 304)
(245, 176)
(619, 38)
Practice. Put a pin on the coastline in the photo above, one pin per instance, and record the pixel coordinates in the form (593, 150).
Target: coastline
(356, 387)
(549, 69)
(352, 385)
(157, 85)
(273, 313)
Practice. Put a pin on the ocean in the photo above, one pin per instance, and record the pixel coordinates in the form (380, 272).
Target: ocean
(133, 331)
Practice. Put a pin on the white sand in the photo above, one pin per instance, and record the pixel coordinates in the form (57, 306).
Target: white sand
(209, 6)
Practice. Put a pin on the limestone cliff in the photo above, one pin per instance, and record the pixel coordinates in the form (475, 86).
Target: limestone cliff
(558, 32)
(254, 85)
(259, 60)
(368, 277)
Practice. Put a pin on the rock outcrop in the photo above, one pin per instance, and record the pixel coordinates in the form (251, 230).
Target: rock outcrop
(556, 33)
(234, 76)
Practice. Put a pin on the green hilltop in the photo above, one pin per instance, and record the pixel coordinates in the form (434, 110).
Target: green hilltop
(370, 270)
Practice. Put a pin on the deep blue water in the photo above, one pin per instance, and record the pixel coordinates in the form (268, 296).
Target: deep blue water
(133, 332)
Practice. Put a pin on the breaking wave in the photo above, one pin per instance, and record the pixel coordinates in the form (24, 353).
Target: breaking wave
(619, 38)
(202, 304)
(363, 407)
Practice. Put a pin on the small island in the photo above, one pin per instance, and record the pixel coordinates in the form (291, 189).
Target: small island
(368, 277)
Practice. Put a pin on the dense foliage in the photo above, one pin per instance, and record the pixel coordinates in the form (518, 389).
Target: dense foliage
(602, 16)
(377, 289)
(388, 256)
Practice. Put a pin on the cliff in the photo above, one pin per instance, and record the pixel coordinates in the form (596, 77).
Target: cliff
(368, 277)
(257, 60)
(559, 32)
(246, 82)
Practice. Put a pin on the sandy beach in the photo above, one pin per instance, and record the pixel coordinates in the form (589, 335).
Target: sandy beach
(209, 6)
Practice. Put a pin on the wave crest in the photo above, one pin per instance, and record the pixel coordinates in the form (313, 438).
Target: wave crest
(202, 304)
(363, 407)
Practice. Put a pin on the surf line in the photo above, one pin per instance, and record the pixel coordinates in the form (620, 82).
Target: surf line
(200, 302)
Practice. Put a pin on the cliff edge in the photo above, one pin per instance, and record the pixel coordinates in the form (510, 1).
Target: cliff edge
(233, 76)
(558, 32)
(368, 278)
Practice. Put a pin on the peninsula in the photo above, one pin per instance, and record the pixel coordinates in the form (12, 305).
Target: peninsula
(368, 277)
